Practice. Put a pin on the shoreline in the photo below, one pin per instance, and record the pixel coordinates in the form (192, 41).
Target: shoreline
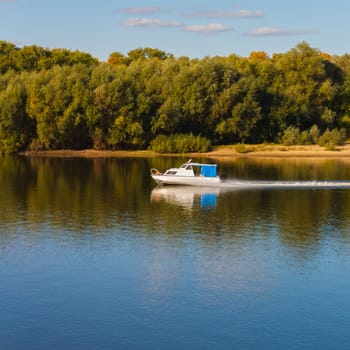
(246, 151)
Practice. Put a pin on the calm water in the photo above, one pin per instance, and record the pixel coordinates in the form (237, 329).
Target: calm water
(94, 256)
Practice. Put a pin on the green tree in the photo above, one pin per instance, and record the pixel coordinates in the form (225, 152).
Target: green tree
(147, 53)
(7, 51)
(28, 58)
(246, 112)
(305, 89)
(125, 134)
(16, 129)
(112, 98)
(57, 101)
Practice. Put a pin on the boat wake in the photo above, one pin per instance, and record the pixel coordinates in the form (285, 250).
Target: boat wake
(247, 184)
(206, 196)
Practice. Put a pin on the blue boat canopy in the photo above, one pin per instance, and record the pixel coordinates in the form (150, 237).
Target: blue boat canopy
(207, 170)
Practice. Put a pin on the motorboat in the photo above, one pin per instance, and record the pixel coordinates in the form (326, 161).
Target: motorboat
(190, 174)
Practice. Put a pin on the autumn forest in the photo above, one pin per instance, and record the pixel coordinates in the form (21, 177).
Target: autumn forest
(62, 99)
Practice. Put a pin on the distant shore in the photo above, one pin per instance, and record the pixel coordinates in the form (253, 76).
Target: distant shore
(217, 152)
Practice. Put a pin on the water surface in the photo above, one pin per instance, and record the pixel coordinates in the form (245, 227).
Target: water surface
(94, 256)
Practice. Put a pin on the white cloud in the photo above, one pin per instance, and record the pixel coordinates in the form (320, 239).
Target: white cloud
(226, 14)
(150, 23)
(138, 10)
(212, 28)
(269, 31)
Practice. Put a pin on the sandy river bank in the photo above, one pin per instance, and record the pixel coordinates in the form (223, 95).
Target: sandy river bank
(267, 151)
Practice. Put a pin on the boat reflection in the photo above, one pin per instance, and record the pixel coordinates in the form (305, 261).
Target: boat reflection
(186, 196)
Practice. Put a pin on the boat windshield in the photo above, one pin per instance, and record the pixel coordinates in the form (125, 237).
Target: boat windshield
(186, 166)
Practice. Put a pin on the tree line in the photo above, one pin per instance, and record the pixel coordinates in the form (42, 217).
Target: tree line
(57, 99)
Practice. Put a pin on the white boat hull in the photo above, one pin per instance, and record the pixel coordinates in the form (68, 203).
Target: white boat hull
(186, 180)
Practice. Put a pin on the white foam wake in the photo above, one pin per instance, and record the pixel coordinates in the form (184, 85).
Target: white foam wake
(246, 184)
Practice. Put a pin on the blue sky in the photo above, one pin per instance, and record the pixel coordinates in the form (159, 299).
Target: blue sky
(194, 28)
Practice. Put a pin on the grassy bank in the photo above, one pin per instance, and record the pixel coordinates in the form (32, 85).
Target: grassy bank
(262, 150)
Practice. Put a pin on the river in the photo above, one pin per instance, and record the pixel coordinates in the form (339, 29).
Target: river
(93, 255)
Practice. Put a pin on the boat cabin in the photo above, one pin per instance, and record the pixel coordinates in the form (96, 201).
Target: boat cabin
(188, 169)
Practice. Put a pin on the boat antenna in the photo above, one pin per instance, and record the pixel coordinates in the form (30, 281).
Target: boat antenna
(189, 161)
